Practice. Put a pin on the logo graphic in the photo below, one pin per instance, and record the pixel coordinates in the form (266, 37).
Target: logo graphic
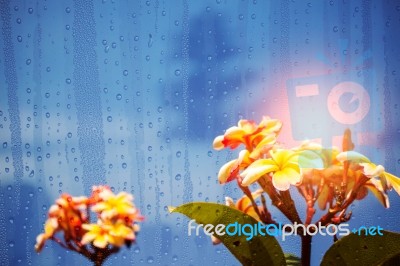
(324, 106)
(359, 96)
(282, 230)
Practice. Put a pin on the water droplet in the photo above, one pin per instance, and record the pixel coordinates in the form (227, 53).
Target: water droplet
(177, 72)
(178, 177)
(150, 41)
(28, 61)
(125, 72)
(118, 96)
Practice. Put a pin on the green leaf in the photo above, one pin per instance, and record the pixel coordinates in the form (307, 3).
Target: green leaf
(260, 250)
(292, 260)
(357, 249)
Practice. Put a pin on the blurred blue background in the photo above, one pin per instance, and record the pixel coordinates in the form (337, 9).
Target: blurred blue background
(132, 94)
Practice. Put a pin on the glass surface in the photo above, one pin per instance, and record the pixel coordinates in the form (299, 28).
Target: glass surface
(132, 94)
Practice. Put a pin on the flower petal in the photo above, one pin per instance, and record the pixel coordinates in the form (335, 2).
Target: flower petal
(100, 241)
(217, 144)
(371, 170)
(258, 169)
(352, 156)
(392, 182)
(282, 157)
(310, 159)
(40, 240)
(293, 175)
(280, 182)
(376, 188)
(264, 146)
(88, 237)
(225, 172)
(325, 196)
(270, 125)
(229, 202)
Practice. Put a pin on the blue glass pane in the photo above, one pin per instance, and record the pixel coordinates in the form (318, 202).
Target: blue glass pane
(131, 94)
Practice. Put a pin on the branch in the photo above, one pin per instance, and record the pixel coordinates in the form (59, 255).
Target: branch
(327, 218)
(283, 202)
(247, 192)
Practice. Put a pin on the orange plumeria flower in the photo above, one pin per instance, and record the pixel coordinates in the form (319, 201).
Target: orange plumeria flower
(50, 228)
(231, 169)
(111, 205)
(244, 205)
(116, 224)
(105, 233)
(247, 132)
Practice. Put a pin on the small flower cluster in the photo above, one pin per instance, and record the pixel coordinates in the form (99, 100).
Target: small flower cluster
(330, 177)
(116, 222)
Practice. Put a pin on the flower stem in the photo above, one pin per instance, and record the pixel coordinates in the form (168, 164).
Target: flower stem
(306, 250)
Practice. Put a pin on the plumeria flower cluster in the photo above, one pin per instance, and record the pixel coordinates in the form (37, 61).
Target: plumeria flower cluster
(333, 178)
(115, 227)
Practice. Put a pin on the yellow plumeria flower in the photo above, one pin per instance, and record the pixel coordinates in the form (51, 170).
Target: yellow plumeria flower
(113, 205)
(98, 234)
(283, 166)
